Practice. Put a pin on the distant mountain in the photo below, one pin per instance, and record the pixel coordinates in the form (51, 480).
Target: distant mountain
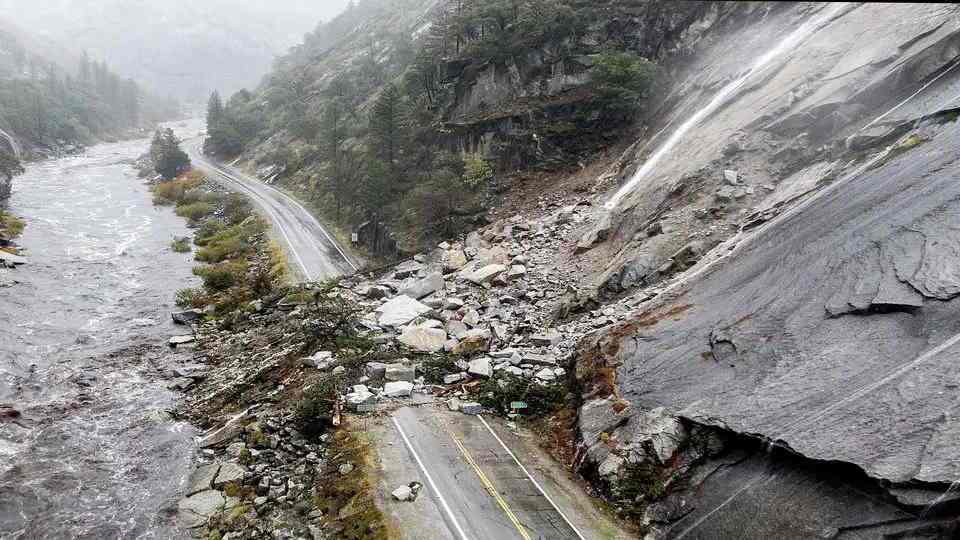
(179, 47)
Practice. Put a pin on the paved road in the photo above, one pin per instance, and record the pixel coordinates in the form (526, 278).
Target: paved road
(481, 489)
(313, 251)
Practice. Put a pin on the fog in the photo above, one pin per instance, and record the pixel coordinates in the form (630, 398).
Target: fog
(182, 48)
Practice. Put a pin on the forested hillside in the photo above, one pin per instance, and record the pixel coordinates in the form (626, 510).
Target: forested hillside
(404, 119)
(46, 106)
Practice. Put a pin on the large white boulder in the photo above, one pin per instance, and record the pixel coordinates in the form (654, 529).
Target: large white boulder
(423, 339)
(398, 389)
(400, 310)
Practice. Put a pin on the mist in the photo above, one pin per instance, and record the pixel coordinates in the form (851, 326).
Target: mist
(180, 48)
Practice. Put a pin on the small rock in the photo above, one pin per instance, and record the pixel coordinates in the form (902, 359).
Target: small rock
(345, 469)
(176, 341)
(403, 493)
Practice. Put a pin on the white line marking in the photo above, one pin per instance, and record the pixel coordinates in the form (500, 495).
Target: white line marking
(535, 483)
(293, 201)
(433, 486)
(276, 219)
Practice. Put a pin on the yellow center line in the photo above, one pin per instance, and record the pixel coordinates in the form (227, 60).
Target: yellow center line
(488, 485)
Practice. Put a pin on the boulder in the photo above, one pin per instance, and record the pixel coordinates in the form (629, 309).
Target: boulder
(423, 339)
(376, 371)
(360, 396)
(455, 260)
(400, 310)
(196, 509)
(403, 493)
(480, 367)
(546, 339)
(187, 317)
(398, 389)
(229, 472)
(546, 375)
(321, 360)
(471, 318)
(476, 340)
(486, 274)
(731, 177)
(176, 341)
(400, 372)
(420, 287)
(517, 271)
(222, 435)
(406, 269)
(456, 328)
(202, 478)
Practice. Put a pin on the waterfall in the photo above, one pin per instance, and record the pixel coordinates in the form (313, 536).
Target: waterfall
(788, 43)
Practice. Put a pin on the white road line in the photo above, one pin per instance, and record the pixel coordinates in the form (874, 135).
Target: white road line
(272, 214)
(293, 201)
(535, 483)
(433, 485)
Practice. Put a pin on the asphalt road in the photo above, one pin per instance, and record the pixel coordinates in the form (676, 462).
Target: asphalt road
(479, 487)
(313, 252)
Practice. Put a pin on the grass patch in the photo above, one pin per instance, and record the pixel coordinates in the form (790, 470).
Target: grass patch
(11, 226)
(196, 211)
(909, 143)
(181, 245)
(348, 499)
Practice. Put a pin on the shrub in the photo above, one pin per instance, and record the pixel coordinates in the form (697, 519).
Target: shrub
(180, 244)
(11, 226)
(195, 211)
(314, 412)
(207, 231)
(189, 298)
(221, 250)
(542, 399)
(622, 80)
(477, 171)
(174, 191)
(222, 276)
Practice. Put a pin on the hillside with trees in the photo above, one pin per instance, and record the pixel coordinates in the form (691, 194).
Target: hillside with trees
(47, 105)
(404, 120)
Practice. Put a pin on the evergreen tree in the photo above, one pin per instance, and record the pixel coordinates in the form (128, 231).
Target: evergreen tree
(168, 159)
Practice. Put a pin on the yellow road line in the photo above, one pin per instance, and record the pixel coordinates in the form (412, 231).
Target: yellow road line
(489, 487)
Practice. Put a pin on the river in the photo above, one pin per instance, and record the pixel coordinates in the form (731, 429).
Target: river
(82, 352)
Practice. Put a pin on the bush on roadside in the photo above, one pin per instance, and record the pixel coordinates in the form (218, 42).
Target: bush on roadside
(220, 277)
(541, 399)
(196, 211)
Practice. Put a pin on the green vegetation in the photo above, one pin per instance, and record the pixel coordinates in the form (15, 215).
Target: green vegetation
(313, 414)
(378, 142)
(181, 244)
(622, 80)
(168, 159)
(239, 264)
(543, 399)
